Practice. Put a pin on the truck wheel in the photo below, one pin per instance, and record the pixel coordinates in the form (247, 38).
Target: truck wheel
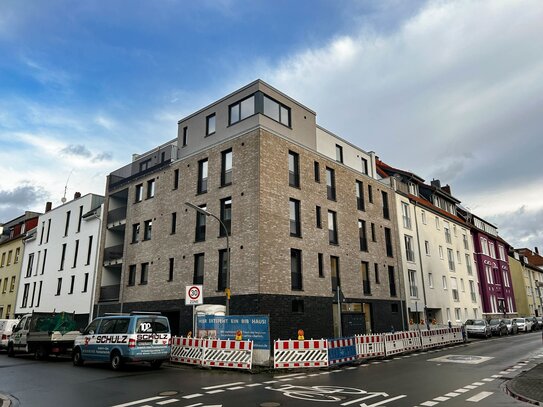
(41, 353)
(76, 358)
(116, 361)
(155, 364)
(11, 350)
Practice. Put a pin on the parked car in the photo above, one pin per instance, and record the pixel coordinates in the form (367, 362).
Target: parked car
(535, 324)
(116, 339)
(498, 327)
(477, 327)
(523, 324)
(512, 328)
(539, 322)
(6, 328)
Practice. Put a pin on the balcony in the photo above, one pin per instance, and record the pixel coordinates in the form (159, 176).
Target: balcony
(116, 215)
(110, 293)
(113, 254)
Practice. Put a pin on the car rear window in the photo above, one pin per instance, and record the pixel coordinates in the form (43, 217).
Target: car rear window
(156, 325)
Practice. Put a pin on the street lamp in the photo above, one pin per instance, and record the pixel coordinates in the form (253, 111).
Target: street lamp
(227, 288)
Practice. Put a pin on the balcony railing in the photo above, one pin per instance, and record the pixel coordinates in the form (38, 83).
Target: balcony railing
(114, 252)
(110, 292)
(116, 215)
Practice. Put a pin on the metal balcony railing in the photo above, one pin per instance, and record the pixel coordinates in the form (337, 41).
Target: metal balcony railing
(110, 292)
(116, 215)
(113, 252)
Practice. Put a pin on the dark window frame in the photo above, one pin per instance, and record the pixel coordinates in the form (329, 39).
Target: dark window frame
(202, 181)
(331, 184)
(296, 223)
(212, 116)
(199, 272)
(226, 208)
(294, 173)
(226, 174)
(296, 272)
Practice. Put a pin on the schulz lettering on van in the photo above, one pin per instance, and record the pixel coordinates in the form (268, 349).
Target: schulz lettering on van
(112, 339)
(146, 337)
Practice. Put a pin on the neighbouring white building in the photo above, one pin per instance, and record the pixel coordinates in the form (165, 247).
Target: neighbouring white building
(440, 276)
(59, 259)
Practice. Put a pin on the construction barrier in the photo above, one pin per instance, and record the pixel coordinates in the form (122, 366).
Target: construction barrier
(411, 341)
(341, 350)
(290, 354)
(228, 353)
(187, 350)
(394, 343)
(455, 335)
(370, 346)
(435, 338)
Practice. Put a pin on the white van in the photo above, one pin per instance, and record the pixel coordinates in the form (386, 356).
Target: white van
(6, 328)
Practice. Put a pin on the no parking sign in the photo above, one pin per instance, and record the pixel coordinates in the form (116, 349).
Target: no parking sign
(194, 294)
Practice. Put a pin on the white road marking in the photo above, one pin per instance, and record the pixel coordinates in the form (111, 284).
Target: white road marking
(215, 391)
(195, 405)
(518, 366)
(288, 375)
(162, 403)
(477, 384)
(496, 376)
(140, 401)
(312, 375)
(235, 388)
(287, 379)
(470, 387)
(480, 396)
(324, 373)
(351, 368)
(192, 396)
(441, 398)
(461, 390)
(271, 381)
(429, 403)
(452, 394)
(222, 385)
(488, 379)
(379, 403)
(253, 385)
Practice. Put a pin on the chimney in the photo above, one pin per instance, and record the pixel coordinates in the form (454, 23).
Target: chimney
(436, 183)
(48, 206)
(77, 195)
(447, 189)
(536, 250)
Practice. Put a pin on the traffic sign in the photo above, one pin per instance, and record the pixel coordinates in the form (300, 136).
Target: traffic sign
(194, 294)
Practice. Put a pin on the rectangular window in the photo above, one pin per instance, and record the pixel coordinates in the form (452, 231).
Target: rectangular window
(360, 196)
(370, 194)
(63, 256)
(293, 169)
(506, 279)
(202, 176)
(392, 281)
(144, 276)
(388, 242)
(80, 218)
(373, 238)
(17, 253)
(465, 239)
(75, 253)
(406, 215)
(427, 247)
(332, 227)
(211, 123)
(29, 265)
(173, 226)
(413, 289)
(198, 277)
(330, 184)
(364, 165)
(423, 217)
(409, 248)
(386, 212)
(176, 179)
(151, 188)
(317, 171)
(365, 271)
(39, 295)
(450, 257)
(41, 234)
(318, 217)
(48, 230)
(363, 240)
(72, 284)
(454, 289)
(44, 259)
(185, 136)
(501, 250)
(430, 280)
(3, 259)
(12, 284)
(171, 268)
(295, 269)
(59, 285)
(339, 153)
(447, 231)
(241, 110)
(147, 229)
(334, 272)
(437, 223)
(145, 165)
(25, 297)
(276, 111)
(441, 252)
(5, 287)
(489, 274)
(9, 257)
(86, 283)
(67, 225)
(138, 196)
(223, 270)
(226, 216)
(295, 226)
(444, 282)
(376, 272)
(226, 167)
(132, 275)
(200, 233)
(135, 233)
(320, 260)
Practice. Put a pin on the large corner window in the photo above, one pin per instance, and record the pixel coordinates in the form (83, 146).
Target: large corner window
(276, 111)
(242, 109)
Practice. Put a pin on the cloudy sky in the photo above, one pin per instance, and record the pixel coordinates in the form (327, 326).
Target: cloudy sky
(447, 89)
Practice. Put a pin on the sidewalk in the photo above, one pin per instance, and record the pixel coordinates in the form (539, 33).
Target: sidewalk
(4, 400)
(528, 386)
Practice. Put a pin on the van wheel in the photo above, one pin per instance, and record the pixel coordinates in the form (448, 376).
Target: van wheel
(76, 358)
(116, 361)
(41, 353)
(11, 350)
(155, 364)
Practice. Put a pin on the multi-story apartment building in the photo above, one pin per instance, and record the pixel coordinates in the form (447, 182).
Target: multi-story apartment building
(437, 251)
(492, 263)
(59, 263)
(527, 279)
(11, 253)
(308, 223)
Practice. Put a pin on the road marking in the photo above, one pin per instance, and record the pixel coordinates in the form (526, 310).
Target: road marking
(518, 366)
(452, 394)
(429, 403)
(195, 405)
(235, 388)
(441, 398)
(254, 385)
(503, 372)
(470, 387)
(140, 401)
(215, 391)
(287, 379)
(222, 385)
(167, 402)
(367, 397)
(313, 375)
(480, 396)
(496, 376)
(488, 379)
(379, 403)
(477, 384)
(461, 390)
(351, 368)
(192, 396)
(271, 381)
(325, 373)
(288, 375)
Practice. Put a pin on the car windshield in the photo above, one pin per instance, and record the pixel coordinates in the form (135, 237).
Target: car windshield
(507, 321)
(519, 320)
(475, 322)
(494, 321)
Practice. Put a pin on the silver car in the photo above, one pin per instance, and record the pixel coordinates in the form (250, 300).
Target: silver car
(478, 327)
(523, 324)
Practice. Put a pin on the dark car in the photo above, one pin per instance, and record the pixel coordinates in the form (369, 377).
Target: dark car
(535, 323)
(539, 322)
(498, 327)
(512, 328)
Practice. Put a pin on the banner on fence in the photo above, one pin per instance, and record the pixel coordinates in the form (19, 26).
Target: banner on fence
(254, 328)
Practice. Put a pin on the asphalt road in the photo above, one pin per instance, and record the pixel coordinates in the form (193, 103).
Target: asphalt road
(455, 376)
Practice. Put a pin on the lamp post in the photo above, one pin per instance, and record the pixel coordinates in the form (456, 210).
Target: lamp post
(227, 288)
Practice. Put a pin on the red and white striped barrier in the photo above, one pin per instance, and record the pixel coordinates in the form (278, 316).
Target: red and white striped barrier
(455, 335)
(411, 340)
(187, 350)
(228, 353)
(394, 343)
(290, 354)
(434, 338)
(370, 346)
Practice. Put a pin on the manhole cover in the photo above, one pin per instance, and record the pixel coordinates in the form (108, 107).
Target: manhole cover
(464, 357)
(270, 404)
(168, 393)
(467, 359)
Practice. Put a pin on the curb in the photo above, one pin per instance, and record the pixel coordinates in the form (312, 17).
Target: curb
(521, 397)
